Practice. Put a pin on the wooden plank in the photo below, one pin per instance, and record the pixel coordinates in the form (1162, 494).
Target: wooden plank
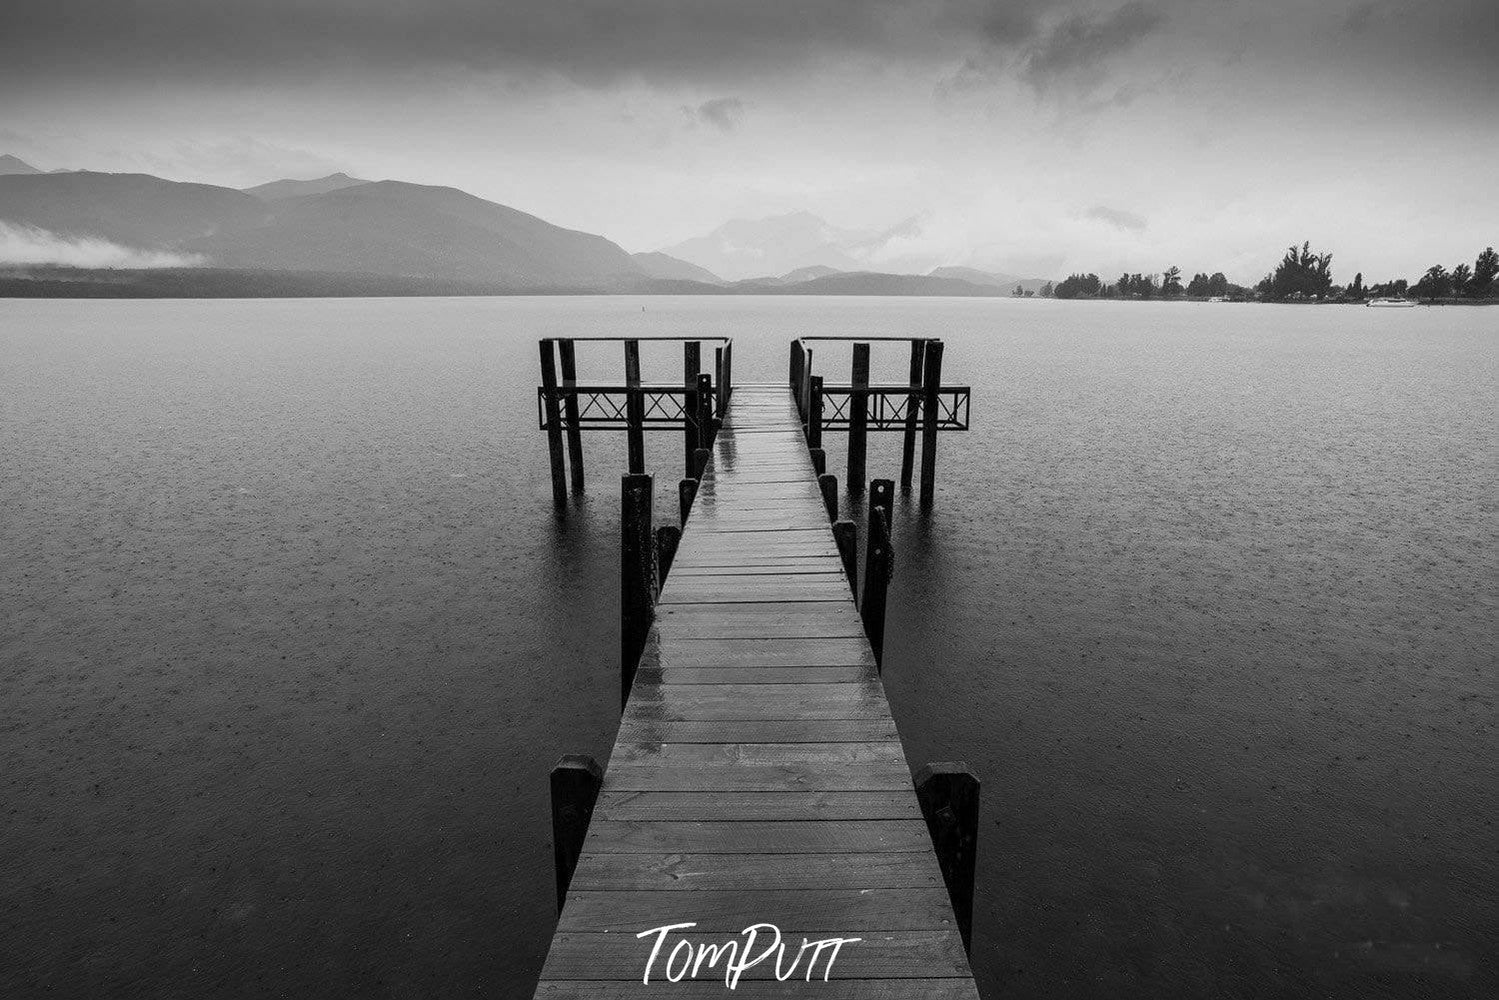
(674, 872)
(736, 754)
(642, 730)
(791, 910)
(670, 650)
(806, 806)
(758, 778)
(872, 836)
(838, 989)
(756, 675)
(881, 954)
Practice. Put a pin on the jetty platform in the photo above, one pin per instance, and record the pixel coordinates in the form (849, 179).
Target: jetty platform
(758, 777)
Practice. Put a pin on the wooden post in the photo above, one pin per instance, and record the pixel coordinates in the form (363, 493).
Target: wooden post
(637, 571)
(846, 535)
(796, 374)
(879, 561)
(565, 350)
(913, 408)
(700, 462)
(819, 460)
(829, 486)
(704, 411)
(553, 422)
(686, 493)
(931, 383)
(814, 413)
(806, 387)
(668, 537)
(858, 420)
(949, 797)
(575, 789)
(727, 383)
(720, 399)
(691, 367)
(634, 409)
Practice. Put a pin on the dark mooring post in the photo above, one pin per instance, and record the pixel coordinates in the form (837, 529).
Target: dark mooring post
(829, 486)
(668, 537)
(796, 374)
(637, 573)
(700, 462)
(568, 356)
(814, 413)
(720, 399)
(726, 384)
(575, 789)
(931, 384)
(806, 387)
(691, 368)
(553, 421)
(819, 460)
(634, 408)
(858, 419)
(686, 493)
(846, 536)
(949, 797)
(705, 426)
(913, 410)
(879, 562)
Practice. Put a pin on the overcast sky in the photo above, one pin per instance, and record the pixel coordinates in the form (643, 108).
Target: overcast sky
(1038, 136)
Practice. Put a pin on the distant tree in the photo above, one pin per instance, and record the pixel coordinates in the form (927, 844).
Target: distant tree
(1171, 282)
(1301, 274)
(1356, 290)
(1434, 284)
(1019, 292)
(1076, 286)
(1197, 288)
(1047, 291)
(1485, 268)
(1218, 284)
(1462, 276)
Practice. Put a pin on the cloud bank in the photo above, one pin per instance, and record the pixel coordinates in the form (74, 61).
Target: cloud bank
(29, 245)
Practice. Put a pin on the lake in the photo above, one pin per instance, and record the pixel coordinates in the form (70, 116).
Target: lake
(290, 637)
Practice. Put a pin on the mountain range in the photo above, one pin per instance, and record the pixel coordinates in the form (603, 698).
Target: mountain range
(364, 230)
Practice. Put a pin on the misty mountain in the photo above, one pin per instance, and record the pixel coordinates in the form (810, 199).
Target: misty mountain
(416, 230)
(807, 274)
(750, 248)
(276, 190)
(660, 265)
(135, 210)
(13, 165)
(880, 283)
(997, 279)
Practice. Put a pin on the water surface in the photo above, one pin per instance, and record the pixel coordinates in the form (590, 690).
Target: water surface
(291, 637)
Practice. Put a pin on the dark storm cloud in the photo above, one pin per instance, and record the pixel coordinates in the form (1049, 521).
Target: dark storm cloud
(1075, 49)
(723, 113)
(589, 41)
(1118, 218)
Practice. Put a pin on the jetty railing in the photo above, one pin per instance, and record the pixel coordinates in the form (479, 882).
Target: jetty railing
(858, 407)
(566, 408)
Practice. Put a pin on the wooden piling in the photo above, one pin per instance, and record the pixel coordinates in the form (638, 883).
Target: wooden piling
(700, 462)
(568, 357)
(949, 798)
(829, 486)
(720, 400)
(637, 566)
(879, 562)
(805, 389)
(846, 537)
(819, 460)
(795, 375)
(913, 410)
(668, 537)
(726, 383)
(634, 409)
(814, 413)
(686, 493)
(575, 789)
(931, 384)
(553, 421)
(705, 421)
(858, 419)
(691, 368)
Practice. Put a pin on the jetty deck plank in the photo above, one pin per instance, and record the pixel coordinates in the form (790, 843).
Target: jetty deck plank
(758, 776)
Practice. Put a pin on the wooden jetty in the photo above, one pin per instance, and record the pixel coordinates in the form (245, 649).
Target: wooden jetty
(758, 777)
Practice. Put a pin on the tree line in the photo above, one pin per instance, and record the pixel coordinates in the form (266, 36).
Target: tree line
(1303, 275)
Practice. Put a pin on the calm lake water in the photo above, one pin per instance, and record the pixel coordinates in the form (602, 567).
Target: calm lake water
(290, 638)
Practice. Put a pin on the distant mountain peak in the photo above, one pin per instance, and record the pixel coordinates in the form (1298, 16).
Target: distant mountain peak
(14, 165)
(290, 188)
